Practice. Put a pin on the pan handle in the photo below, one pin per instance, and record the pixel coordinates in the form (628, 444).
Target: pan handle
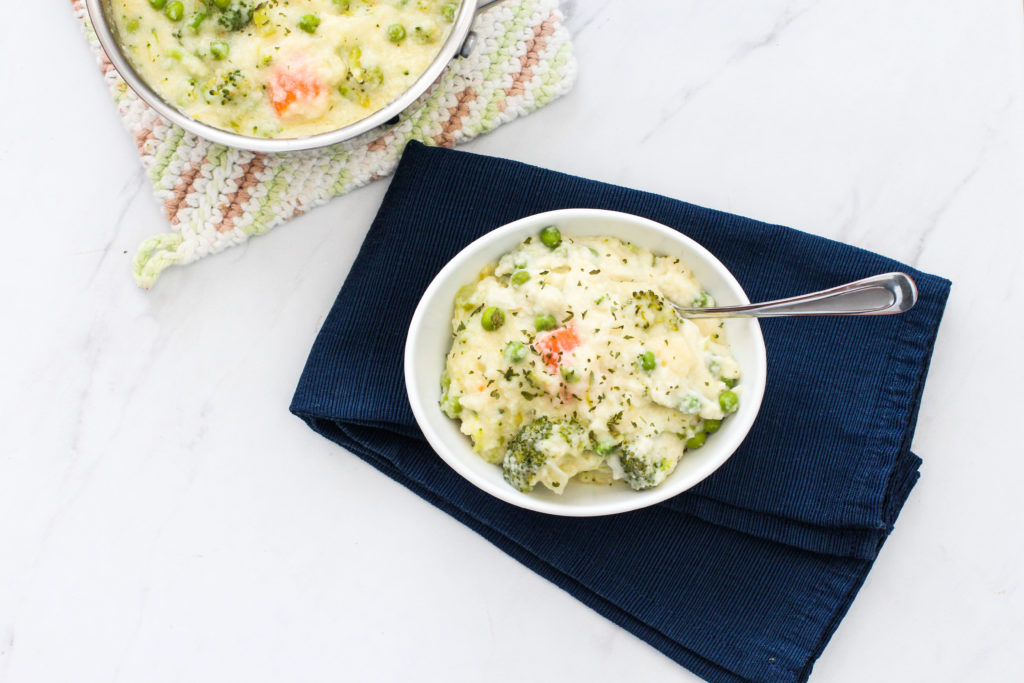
(482, 5)
(469, 44)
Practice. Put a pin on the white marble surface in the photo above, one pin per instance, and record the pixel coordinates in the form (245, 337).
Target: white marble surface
(163, 517)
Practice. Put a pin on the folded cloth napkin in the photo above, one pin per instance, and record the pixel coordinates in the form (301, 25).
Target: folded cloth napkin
(747, 575)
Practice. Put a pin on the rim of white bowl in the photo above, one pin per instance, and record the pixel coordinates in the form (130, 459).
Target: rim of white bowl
(753, 393)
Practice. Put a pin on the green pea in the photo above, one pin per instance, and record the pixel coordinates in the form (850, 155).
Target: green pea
(731, 381)
(448, 11)
(519, 277)
(157, 4)
(196, 21)
(697, 440)
(515, 351)
(729, 402)
(691, 404)
(175, 10)
(551, 236)
(396, 33)
(712, 426)
(569, 374)
(309, 22)
(492, 318)
(342, 5)
(132, 25)
(545, 321)
(647, 361)
(219, 49)
(222, 4)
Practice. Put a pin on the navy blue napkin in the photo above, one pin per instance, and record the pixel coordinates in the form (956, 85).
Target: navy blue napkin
(746, 576)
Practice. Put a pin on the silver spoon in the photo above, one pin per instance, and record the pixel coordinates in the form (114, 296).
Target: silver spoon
(879, 295)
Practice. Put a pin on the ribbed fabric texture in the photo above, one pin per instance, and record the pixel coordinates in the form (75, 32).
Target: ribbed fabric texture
(746, 576)
(215, 197)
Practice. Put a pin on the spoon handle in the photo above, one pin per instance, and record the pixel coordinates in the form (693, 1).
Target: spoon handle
(879, 295)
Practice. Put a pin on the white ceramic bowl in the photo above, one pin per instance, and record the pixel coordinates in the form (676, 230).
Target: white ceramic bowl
(430, 339)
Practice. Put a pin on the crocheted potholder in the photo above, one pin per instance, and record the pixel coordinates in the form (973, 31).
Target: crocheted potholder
(216, 196)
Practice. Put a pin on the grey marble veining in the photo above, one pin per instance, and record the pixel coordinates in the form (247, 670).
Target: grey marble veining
(164, 518)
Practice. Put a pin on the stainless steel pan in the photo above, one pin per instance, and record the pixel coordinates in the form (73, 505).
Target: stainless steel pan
(460, 43)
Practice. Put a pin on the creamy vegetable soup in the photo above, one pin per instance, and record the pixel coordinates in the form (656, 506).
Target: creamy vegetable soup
(281, 68)
(568, 364)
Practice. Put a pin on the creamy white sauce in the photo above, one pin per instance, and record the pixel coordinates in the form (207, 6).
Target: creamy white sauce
(252, 68)
(638, 383)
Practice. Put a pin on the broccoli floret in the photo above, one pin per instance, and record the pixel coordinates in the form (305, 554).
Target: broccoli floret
(602, 447)
(650, 308)
(524, 457)
(228, 86)
(648, 299)
(638, 471)
(236, 17)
